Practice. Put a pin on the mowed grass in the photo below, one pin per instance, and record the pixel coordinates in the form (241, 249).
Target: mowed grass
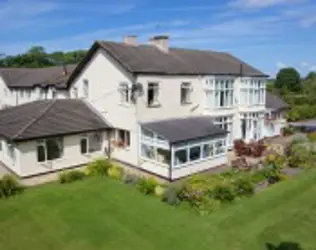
(105, 214)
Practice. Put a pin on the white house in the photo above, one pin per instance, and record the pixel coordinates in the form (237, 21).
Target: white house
(168, 111)
(22, 85)
(133, 85)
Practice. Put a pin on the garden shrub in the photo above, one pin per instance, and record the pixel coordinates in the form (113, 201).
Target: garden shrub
(273, 174)
(244, 187)
(99, 167)
(224, 192)
(159, 191)
(286, 131)
(131, 179)
(258, 176)
(279, 160)
(115, 172)
(147, 186)
(207, 206)
(71, 176)
(300, 155)
(254, 148)
(9, 186)
(171, 195)
(312, 136)
(299, 138)
(240, 148)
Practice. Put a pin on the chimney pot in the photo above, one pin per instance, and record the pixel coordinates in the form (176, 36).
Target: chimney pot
(130, 40)
(162, 42)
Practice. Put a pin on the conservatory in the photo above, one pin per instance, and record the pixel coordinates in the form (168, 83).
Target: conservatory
(182, 146)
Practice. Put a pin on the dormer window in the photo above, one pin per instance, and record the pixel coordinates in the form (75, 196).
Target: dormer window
(153, 94)
(186, 93)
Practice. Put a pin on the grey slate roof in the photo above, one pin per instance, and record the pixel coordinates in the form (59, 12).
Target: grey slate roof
(29, 78)
(149, 59)
(48, 118)
(184, 129)
(274, 102)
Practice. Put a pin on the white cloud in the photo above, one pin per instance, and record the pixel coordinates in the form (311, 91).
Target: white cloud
(281, 65)
(313, 68)
(254, 4)
(308, 21)
(305, 64)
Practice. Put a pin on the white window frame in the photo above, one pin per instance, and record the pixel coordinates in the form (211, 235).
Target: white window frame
(154, 86)
(186, 90)
(219, 93)
(74, 92)
(85, 88)
(125, 93)
(43, 143)
(127, 138)
(253, 91)
(251, 118)
(201, 144)
(156, 142)
(86, 137)
(226, 121)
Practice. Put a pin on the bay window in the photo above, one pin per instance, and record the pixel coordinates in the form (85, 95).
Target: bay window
(50, 149)
(219, 93)
(252, 92)
(251, 125)
(226, 123)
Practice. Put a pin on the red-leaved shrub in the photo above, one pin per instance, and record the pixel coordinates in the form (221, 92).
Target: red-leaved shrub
(254, 148)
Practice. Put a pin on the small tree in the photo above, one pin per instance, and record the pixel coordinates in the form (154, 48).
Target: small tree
(288, 79)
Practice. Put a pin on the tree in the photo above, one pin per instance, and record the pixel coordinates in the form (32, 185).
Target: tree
(37, 50)
(311, 75)
(288, 79)
(36, 57)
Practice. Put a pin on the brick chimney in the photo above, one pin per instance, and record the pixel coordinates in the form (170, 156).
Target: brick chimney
(161, 42)
(130, 40)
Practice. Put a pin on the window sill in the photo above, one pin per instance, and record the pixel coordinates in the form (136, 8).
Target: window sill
(186, 103)
(125, 105)
(154, 106)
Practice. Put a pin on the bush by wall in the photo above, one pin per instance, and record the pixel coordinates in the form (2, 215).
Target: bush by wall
(71, 176)
(99, 167)
(147, 186)
(9, 186)
(253, 149)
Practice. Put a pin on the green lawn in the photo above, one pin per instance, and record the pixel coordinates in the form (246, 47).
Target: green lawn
(105, 214)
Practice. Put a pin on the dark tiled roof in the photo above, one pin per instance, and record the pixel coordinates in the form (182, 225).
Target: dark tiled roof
(184, 129)
(274, 102)
(29, 78)
(149, 59)
(48, 118)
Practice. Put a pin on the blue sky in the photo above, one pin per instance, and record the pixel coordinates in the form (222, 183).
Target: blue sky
(269, 34)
